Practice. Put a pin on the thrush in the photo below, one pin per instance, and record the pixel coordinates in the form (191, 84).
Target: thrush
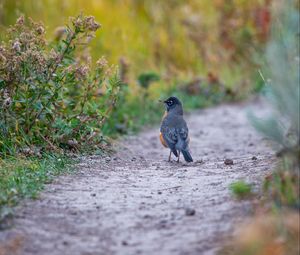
(174, 133)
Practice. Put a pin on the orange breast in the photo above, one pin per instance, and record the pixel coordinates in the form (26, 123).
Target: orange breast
(162, 140)
(160, 135)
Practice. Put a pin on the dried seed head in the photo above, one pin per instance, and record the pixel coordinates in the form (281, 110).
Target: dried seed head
(102, 62)
(91, 24)
(53, 54)
(17, 46)
(20, 20)
(110, 70)
(40, 30)
(7, 102)
(78, 22)
(81, 72)
(5, 93)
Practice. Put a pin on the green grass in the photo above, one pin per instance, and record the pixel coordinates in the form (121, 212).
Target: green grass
(25, 177)
(240, 189)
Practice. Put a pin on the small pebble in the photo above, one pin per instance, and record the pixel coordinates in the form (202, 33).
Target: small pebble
(254, 158)
(93, 194)
(228, 161)
(190, 212)
(163, 224)
(125, 243)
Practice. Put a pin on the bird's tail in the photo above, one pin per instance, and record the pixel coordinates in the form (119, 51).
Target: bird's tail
(187, 156)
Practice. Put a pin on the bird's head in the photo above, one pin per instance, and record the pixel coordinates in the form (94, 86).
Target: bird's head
(173, 104)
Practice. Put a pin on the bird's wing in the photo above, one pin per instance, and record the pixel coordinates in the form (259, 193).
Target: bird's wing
(170, 137)
(183, 138)
(183, 133)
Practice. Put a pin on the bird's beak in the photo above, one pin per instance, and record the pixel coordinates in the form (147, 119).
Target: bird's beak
(161, 101)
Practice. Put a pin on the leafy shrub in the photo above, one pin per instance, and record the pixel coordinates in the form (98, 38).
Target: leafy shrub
(240, 189)
(50, 93)
(282, 85)
(282, 91)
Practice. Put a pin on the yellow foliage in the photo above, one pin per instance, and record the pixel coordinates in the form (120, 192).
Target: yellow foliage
(181, 38)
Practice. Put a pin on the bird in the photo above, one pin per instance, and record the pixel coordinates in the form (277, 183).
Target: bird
(174, 133)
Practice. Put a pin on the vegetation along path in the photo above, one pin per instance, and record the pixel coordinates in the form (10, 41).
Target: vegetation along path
(135, 202)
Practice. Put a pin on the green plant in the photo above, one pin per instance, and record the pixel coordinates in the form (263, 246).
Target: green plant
(282, 84)
(282, 79)
(282, 186)
(25, 177)
(145, 79)
(241, 189)
(51, 95)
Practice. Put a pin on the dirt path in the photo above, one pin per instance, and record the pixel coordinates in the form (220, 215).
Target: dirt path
(135, 202)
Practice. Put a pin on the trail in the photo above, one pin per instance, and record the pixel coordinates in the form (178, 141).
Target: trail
(135, 202)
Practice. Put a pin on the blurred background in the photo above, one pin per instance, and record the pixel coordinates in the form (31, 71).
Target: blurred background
(180, 40)
(70, 85)
(205, 52)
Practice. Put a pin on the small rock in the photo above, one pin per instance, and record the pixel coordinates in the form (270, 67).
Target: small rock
(159, 192)
(162, 224)
(190, 212)
(93, 194)
(125, 243)
(133, 159)
(228, 161)
(65, 243)
(107, 159)
(254, 158)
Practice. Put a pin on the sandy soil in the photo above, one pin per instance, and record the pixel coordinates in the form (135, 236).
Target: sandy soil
(135, 202)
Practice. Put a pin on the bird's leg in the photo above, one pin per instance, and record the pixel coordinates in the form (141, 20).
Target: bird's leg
(170, 156)
(178, 156)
